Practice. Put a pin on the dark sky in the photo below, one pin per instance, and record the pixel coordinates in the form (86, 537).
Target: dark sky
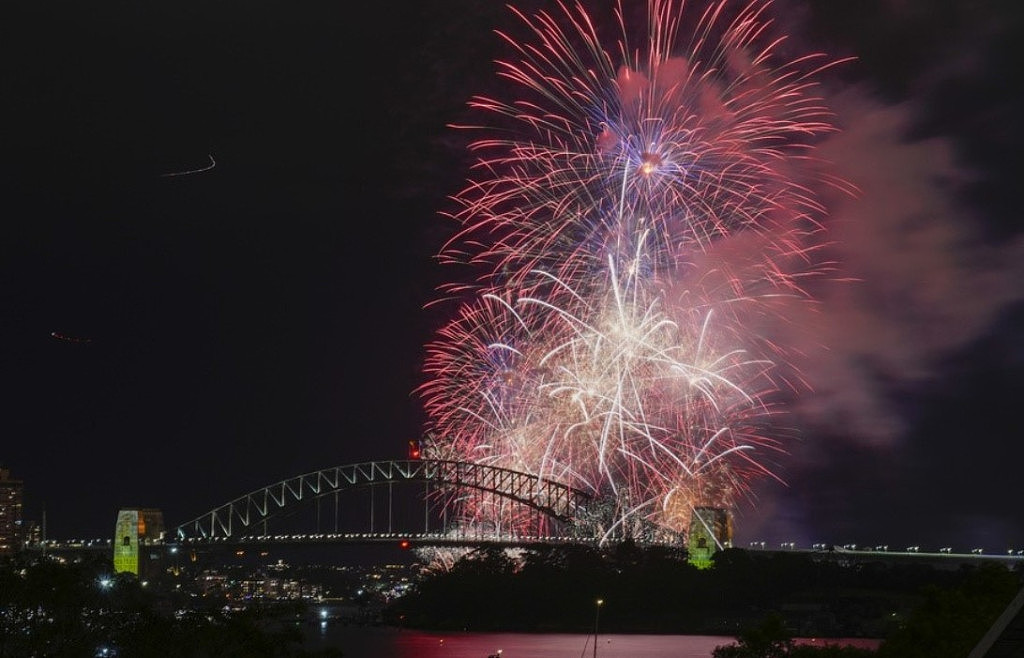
(221, 330)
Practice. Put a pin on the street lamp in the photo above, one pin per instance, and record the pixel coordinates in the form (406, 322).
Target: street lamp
(597, 617)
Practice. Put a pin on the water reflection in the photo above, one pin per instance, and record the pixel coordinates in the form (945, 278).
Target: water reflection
(375, 642)
(378, 642)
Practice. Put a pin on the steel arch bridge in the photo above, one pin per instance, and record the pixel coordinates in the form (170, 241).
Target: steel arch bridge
(241, 515)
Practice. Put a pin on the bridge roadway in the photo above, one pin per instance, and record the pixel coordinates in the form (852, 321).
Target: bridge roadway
(942, 558)
(404, 540)
(400, 540)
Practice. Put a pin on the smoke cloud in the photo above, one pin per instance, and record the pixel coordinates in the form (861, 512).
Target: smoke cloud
(918, 281)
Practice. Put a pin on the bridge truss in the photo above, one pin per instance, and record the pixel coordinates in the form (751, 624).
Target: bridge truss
(249, 514)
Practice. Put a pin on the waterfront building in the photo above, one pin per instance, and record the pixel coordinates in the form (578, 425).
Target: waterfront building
(11, 531)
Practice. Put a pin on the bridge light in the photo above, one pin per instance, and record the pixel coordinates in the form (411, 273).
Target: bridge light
(405, 544)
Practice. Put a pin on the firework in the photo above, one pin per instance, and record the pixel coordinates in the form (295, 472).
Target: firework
(634, 237)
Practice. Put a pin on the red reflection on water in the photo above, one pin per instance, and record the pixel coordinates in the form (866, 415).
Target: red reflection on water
(386, 642)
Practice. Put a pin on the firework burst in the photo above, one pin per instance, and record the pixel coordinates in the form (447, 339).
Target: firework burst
(633, 236)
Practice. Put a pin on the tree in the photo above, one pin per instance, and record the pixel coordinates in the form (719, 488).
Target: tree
(951, 620)
(768, 639)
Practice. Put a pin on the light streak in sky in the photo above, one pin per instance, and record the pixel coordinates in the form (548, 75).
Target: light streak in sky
(634, 221)
(69, 339)
(187, 172)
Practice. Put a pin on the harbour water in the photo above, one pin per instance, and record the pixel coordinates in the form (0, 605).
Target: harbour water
(386, 642)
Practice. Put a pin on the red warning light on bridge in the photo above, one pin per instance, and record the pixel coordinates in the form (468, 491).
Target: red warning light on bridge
(405, 544)
(414, 450)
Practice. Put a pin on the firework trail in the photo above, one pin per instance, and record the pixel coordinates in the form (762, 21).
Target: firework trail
(632, 226)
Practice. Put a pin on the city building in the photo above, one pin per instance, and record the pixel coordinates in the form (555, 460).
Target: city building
(11, 530)
(710, 531)
(138, 541)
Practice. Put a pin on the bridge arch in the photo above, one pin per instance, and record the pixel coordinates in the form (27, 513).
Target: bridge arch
(241, 515)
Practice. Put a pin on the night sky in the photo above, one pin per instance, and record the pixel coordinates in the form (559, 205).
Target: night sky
(175, 338)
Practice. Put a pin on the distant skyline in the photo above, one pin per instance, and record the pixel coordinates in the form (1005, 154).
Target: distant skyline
(222, 222)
